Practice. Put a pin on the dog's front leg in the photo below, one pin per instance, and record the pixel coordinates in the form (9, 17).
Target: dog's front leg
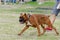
(38, 29)
(25, 28)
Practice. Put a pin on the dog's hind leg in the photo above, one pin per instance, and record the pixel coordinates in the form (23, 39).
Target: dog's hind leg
(44, 30)
(55, 30)
(50, 25)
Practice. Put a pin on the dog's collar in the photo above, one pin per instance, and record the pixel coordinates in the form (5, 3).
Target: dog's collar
(29, 16)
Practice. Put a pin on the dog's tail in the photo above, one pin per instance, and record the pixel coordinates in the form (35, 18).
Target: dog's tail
(48, 15)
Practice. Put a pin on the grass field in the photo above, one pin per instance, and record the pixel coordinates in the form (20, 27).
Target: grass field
(10, 27)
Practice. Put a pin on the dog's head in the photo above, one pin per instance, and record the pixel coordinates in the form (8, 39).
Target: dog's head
(23, 18)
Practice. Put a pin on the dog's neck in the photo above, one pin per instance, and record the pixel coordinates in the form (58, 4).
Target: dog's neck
(29, 16)
(27, 22)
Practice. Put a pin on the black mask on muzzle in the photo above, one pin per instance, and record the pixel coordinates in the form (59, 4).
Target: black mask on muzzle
(21, 20)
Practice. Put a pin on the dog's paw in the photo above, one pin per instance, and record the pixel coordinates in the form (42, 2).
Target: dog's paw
(38, 35)
(19, 34)
(57, 33)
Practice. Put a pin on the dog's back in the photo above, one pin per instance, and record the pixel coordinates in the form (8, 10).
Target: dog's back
(42, 19)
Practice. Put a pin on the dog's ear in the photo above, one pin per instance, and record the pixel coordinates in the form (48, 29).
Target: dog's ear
(20, 13)
(24, 13)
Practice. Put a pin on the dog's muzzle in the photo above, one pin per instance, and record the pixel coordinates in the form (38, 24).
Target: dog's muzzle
(21, 20)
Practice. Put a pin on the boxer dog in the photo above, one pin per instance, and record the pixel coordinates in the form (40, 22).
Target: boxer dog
(35, 20)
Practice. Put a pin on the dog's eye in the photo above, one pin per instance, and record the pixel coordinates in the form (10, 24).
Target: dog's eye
(20, 17)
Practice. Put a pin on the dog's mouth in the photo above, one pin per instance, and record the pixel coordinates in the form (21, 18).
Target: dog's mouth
(22, 21)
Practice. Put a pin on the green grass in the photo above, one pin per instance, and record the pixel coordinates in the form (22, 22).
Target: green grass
(48, 4)
(28, 7)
